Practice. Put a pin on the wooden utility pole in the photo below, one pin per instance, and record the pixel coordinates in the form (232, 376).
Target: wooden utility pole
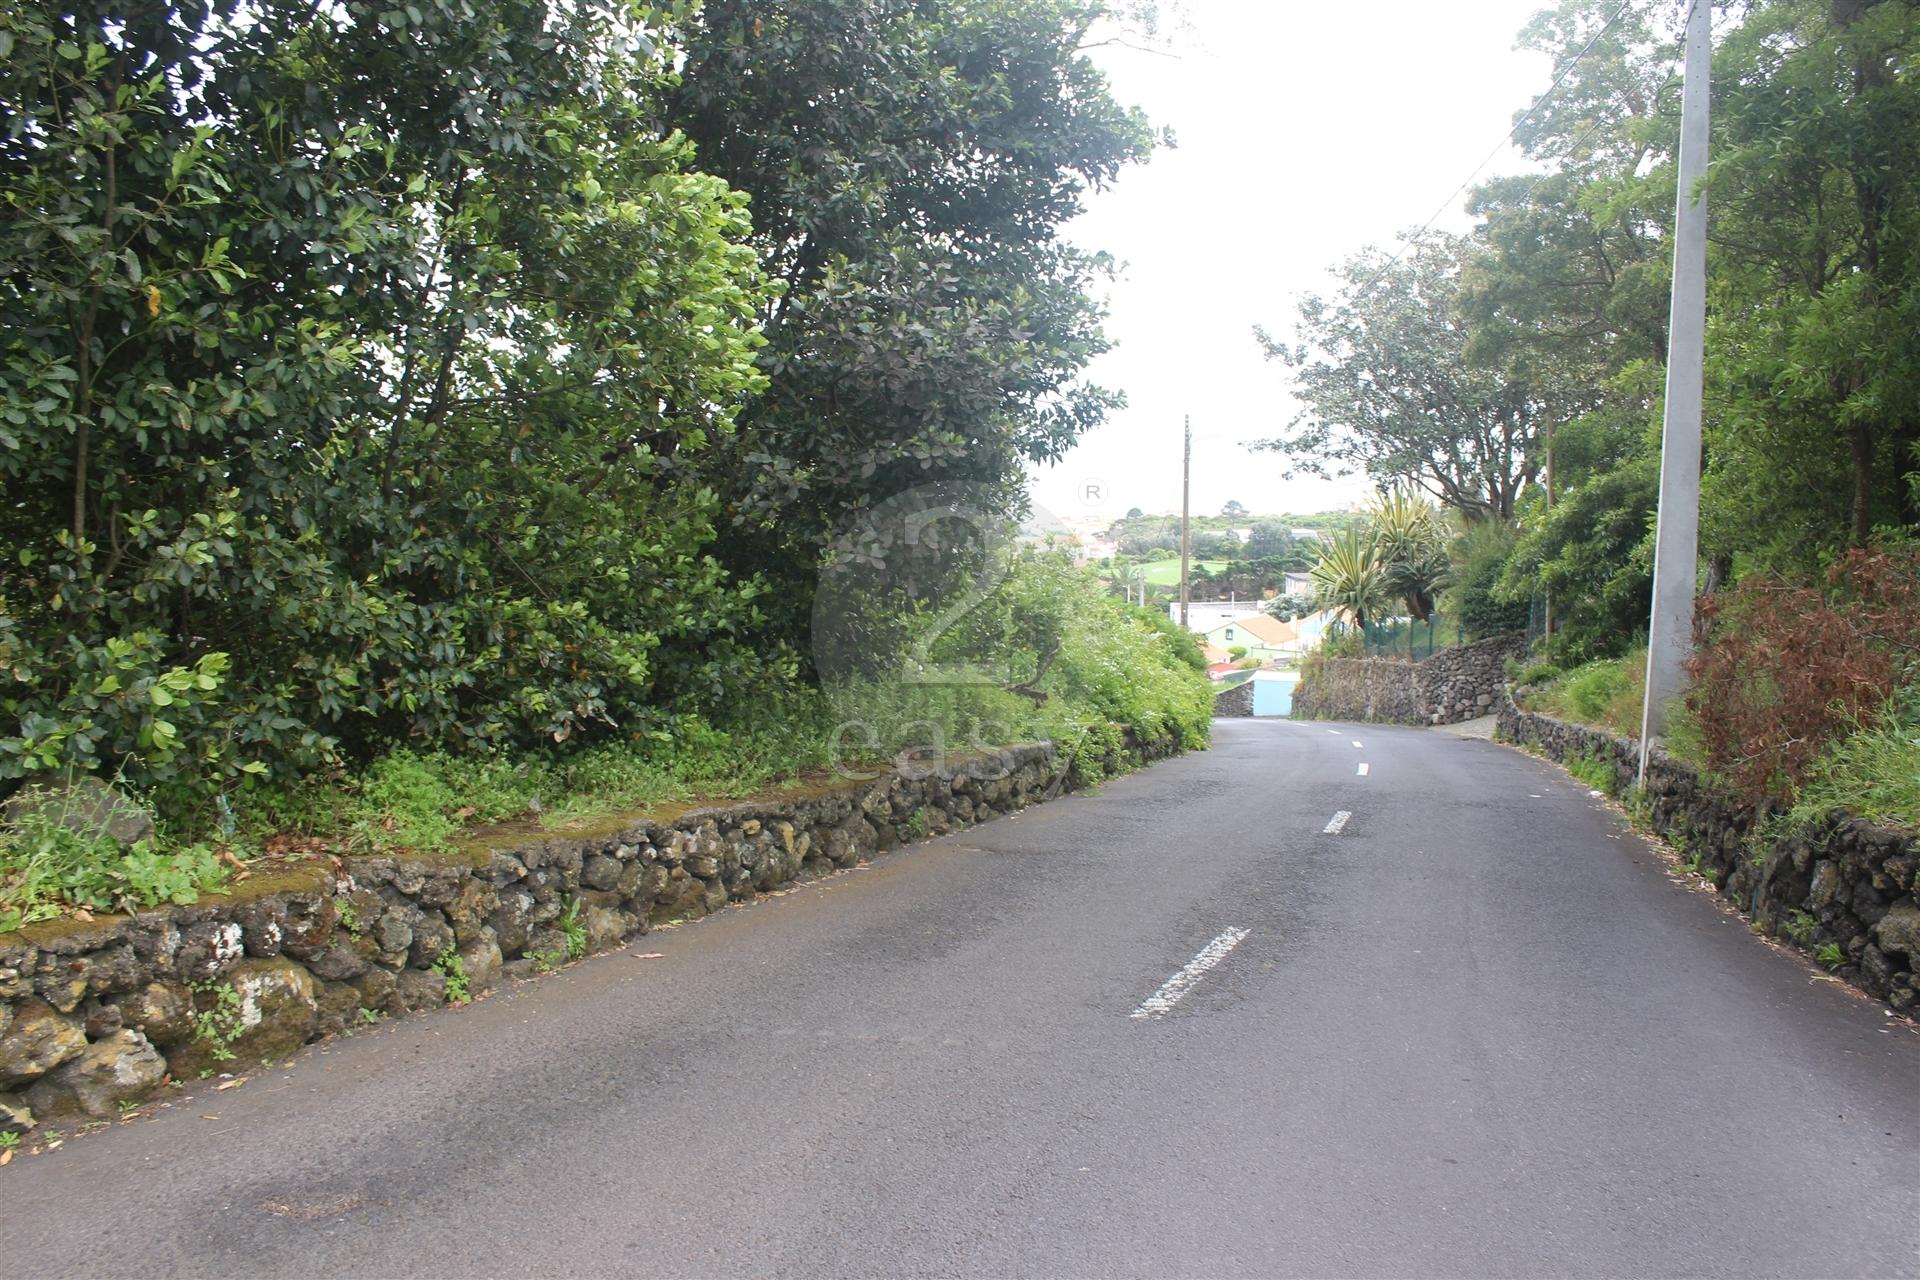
(1676, 536)
(1186, 491)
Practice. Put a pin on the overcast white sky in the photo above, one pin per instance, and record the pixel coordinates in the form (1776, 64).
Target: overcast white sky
(1305, 131)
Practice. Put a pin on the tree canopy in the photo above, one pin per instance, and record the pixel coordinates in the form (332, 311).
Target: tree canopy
(909, 166)
(1388, 387)
(470, 374)
(1477, 366)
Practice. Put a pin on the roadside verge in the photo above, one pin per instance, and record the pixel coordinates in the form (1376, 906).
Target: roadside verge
(95, 1015)
(1840, 889)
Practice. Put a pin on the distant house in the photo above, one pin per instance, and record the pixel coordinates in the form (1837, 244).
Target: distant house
(1310, 631)
(1298, 584)
(1261, 635)
(1204, 615)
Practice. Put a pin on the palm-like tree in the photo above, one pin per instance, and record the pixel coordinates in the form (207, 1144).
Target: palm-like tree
(1348, 576)
(1411, 547)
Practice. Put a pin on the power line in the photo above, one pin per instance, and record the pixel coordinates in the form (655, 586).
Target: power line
(1572, 147)
(1541, 101)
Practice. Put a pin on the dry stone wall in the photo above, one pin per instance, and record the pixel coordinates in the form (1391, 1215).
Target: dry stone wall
(1374, 690)
(1454, 684)
(1237, 701)
(96, 1014)
(1841, 881)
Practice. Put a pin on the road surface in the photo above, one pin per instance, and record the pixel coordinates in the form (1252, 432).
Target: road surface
(1174, 1028)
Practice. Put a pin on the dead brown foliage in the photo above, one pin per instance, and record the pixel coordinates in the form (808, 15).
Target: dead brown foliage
(1788, 667)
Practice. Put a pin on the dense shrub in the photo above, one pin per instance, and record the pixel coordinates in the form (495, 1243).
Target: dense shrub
(1788, 668)
(1479, 556)
(373, 356)
(994, 685)
(1180, 642)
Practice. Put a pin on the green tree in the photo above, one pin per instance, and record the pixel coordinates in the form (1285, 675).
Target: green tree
(1577, 268)
(1270, 538)
(1479, 554)
(1815, 372)
(910, 167)
(383, 351)
(1349, 577)
(1811, 367)
(1411, 546)
(1592, 553)
(1388, 388)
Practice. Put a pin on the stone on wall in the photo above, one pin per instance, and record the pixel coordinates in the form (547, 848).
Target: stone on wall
(480, 961)
(15, 1116)
(123, 1067)
(161, 1011)
(259, 1009)
(39, 1040)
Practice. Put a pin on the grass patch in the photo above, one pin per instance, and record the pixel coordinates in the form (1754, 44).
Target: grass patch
(1609, 694)
(46, 868)
(1166, 573)
(1592, 770)
(1873, 772)
(1606, 694)
(1521, 674)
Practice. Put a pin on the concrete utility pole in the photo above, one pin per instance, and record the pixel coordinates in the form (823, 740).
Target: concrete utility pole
(1186, 490)
(1677, 535)
(1547, 627)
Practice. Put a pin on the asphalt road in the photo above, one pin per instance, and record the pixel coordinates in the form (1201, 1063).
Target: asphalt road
(1479, 1031)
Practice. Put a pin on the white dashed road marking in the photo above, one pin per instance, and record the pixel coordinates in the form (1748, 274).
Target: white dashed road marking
(1363, 770)
(1338, 824)
(1356, 742)
(1182, 982)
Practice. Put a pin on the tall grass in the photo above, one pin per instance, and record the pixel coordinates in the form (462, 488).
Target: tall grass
(1873, 772)
(1606, 694)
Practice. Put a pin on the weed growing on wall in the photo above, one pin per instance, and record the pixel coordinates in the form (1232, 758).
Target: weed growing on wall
(1592, 770)
(48, 861)
(575, 932)
(218, 1023)
(451, 967)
